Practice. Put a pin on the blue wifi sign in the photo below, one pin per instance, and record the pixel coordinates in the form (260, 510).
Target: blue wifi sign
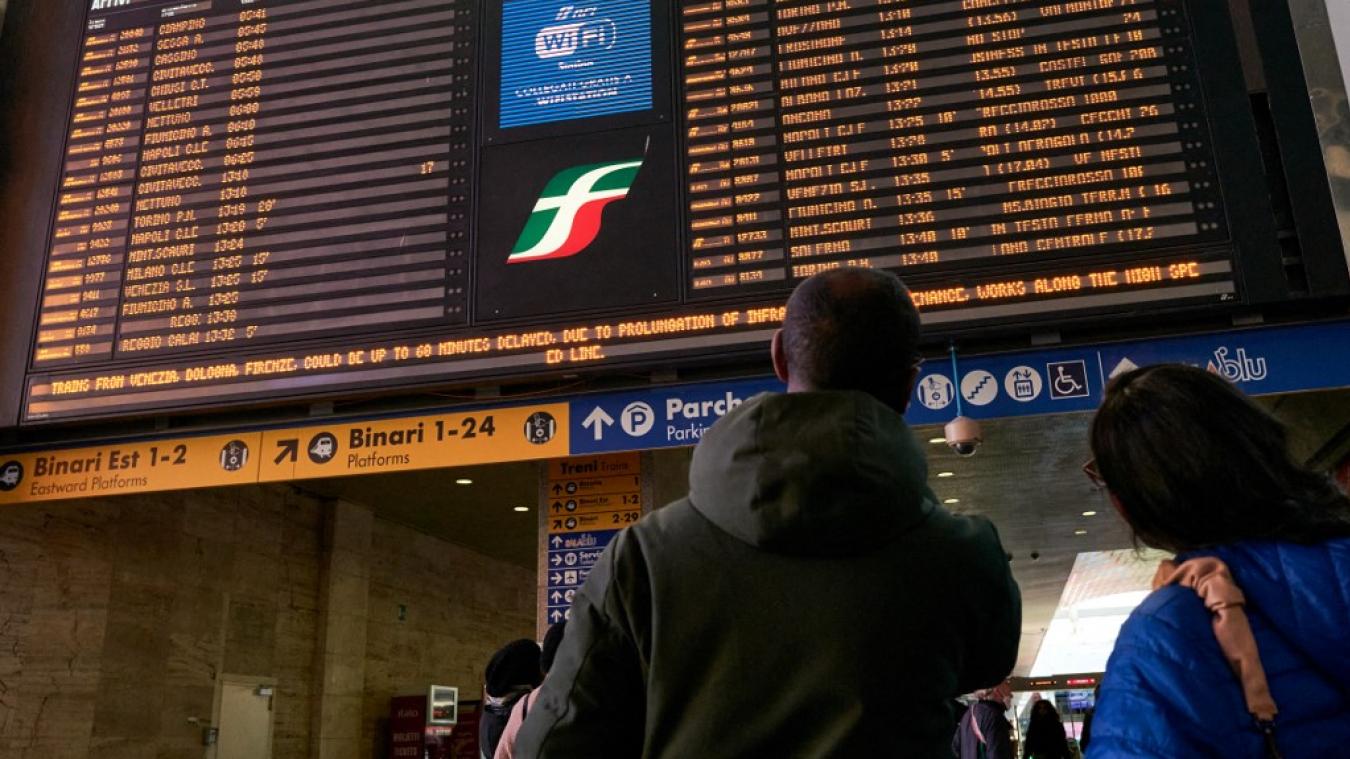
(572, 60)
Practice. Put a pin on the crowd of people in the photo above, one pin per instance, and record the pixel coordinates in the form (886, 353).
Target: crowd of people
(810, 598)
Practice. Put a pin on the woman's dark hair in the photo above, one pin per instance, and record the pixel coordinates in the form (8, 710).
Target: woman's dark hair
(1194, 463)
(1045, 733)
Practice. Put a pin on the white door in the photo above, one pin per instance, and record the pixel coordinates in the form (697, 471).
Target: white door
(245, 722)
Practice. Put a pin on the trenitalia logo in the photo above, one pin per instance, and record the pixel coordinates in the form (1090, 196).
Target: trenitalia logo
(566, 218)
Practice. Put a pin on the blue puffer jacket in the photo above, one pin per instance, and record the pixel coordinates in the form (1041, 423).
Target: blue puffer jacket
(1168, 692)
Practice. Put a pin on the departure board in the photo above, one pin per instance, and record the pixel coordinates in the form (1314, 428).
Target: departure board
(266, 200)
(948, 136)
(268, 170)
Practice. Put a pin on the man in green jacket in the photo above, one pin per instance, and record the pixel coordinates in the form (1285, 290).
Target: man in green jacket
(809, 598)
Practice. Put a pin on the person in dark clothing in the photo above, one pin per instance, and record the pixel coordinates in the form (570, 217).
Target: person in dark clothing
(1045, 734)
(506, 745)
(1260, 585)
(809, 598)
(1088, 716)
(511, 673)
(984, 732)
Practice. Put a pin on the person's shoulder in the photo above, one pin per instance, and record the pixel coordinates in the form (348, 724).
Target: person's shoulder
(673, 526)
(1171, 621)
(675, 517)
(962, 535)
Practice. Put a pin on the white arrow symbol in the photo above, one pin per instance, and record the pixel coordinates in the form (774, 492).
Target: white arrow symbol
(597, 421)
(556, 596)
(1125, 365)
(557, 541)
(556, 560)
(555, 616)
(557, 578)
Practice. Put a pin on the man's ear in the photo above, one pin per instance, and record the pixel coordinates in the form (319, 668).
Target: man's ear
(911, 380)
(1118, 506)
(779, 355)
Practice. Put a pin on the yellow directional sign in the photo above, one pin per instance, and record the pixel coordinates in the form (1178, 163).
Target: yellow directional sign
(320, 450)
(592, 504)
(594, 493)
(612, 520)
(136, 467)
(419, 442)
(603, 465)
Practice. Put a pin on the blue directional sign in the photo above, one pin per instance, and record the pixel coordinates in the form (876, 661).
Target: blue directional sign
(568, 563)
(1260, 361)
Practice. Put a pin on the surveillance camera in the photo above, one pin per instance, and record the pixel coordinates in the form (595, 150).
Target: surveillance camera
(963, 435)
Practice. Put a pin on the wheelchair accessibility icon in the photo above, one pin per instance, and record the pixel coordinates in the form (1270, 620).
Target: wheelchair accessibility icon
(1068, 379)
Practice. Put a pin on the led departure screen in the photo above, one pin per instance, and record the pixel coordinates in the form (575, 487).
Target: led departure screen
(265, 200)
(940, 136)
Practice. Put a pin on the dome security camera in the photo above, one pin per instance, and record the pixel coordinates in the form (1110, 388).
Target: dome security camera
(963, 435)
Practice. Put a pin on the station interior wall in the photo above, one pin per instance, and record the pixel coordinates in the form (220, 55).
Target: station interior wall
(118, 616)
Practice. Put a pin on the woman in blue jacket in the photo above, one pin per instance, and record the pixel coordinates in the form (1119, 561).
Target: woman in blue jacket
(1197, 469)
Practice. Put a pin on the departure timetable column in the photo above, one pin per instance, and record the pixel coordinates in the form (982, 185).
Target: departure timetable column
(304, 170)
(88, 245)
(958, 131)
(732, 144)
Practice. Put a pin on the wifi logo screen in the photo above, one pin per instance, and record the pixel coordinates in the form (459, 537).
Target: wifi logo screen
(566, 60)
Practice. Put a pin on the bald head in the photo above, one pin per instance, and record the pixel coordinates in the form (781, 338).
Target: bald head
(850, 329)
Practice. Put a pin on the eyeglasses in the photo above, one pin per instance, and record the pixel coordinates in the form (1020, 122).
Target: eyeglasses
(1094, 474)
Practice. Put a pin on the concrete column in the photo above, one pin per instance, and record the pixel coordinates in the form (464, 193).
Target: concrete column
(344, 598)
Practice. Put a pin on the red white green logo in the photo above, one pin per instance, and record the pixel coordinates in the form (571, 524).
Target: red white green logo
(566, 218)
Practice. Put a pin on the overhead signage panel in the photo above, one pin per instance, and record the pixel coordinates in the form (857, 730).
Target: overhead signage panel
(422, 442)
(593, 493)
(133, 467)
(585, 502)
(271, 200)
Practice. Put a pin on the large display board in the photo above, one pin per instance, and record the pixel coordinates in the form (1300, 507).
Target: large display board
(263, 200)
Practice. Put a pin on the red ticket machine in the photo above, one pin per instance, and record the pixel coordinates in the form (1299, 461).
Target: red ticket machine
(427, 726)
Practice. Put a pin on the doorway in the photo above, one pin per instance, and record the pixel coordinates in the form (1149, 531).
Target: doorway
(244, 718)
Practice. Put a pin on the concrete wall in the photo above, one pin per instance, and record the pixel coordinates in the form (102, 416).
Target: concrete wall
(117, 616)
(458, 609)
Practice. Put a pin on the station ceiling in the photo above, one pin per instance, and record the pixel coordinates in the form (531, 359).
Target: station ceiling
(1026, 478)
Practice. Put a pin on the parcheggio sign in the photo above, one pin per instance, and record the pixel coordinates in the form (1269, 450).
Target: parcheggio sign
(686, 421)
(672, 417)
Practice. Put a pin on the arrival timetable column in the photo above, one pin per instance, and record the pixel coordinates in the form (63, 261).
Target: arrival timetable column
(306, 173)
(184, 126)
(80, 292)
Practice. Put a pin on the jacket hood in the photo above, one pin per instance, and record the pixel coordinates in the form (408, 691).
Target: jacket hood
(1304, 593)
(827, 473)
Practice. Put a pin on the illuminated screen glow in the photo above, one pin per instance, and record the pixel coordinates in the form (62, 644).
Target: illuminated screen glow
(269, 201)
(563, 60)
